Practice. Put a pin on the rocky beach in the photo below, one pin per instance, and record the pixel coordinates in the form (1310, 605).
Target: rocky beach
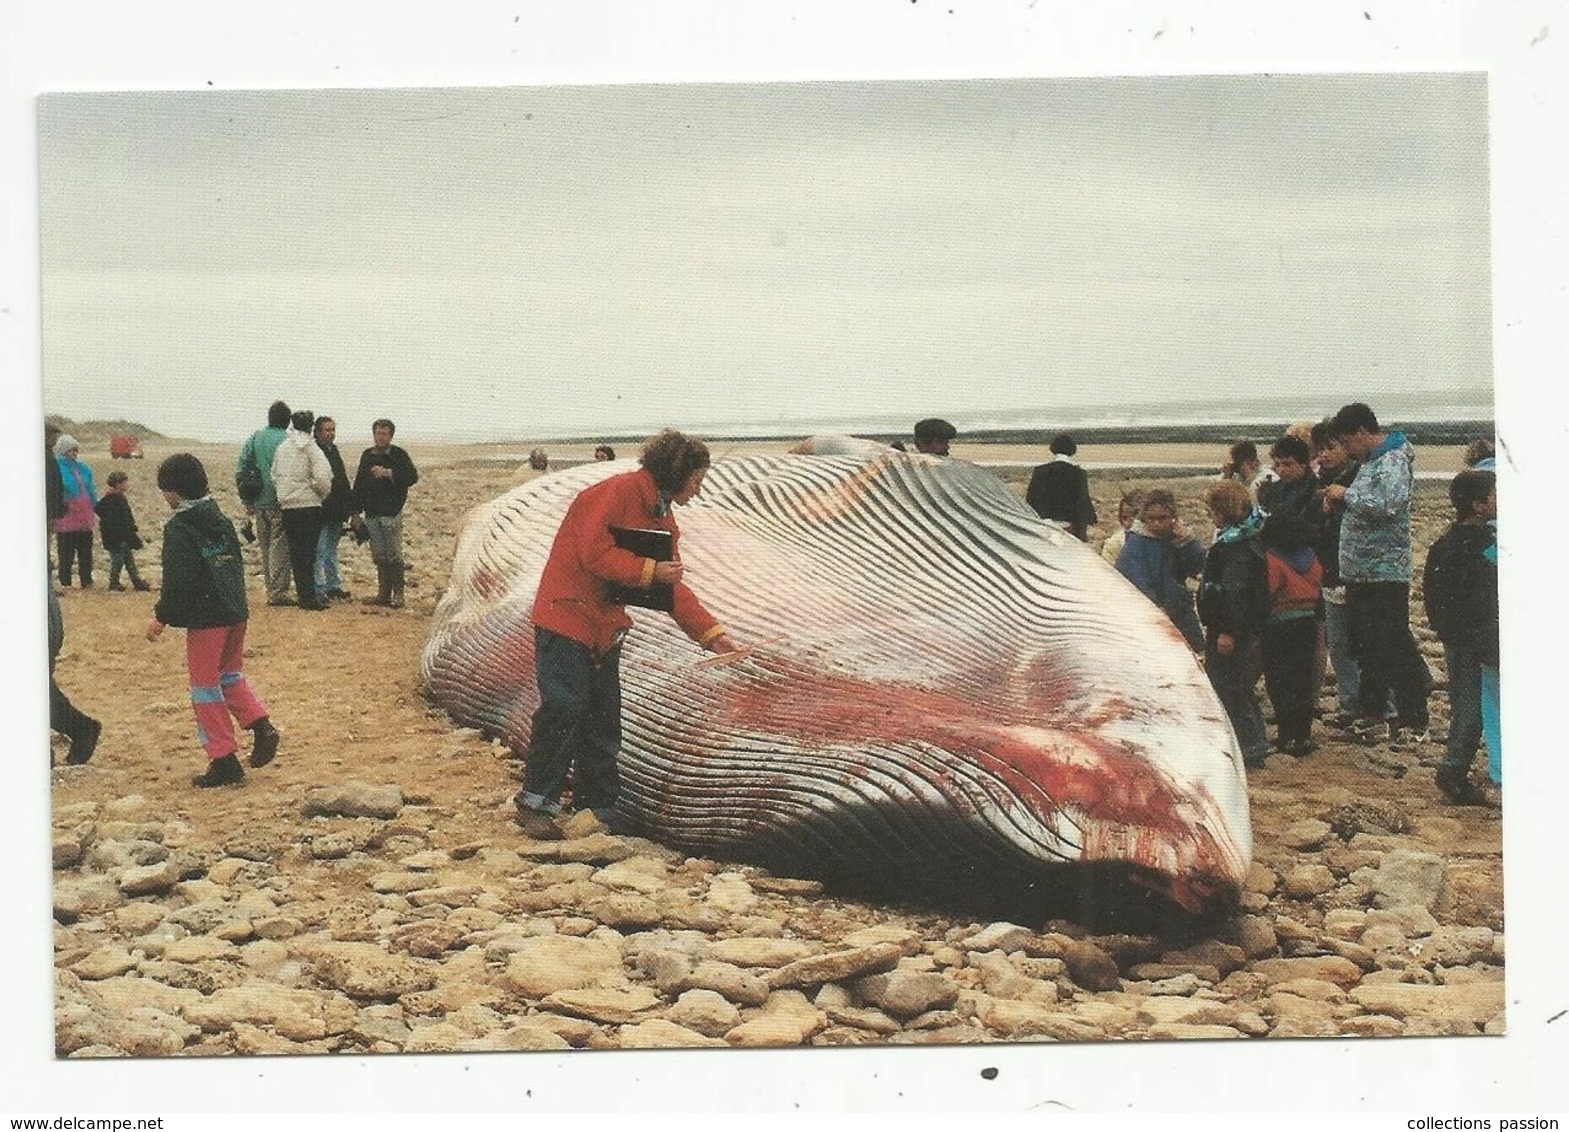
(370, 892)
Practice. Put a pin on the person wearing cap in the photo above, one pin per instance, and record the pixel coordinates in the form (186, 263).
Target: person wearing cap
(932, 436)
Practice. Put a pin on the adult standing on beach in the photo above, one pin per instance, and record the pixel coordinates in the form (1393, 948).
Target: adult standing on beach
(1060, 490)
(65, 718)
(253, 481)
(1375, 564)
(933, 435)
(74, 528)
(1336, 469)
(302, 477)
(578, 630)
(381, 487)
(336, 510)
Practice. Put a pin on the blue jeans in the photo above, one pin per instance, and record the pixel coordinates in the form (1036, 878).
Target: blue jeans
(1234, 678)
(577, 726)
(1492, 724)
(1348, 677)
(327, 579)
(1465, 709)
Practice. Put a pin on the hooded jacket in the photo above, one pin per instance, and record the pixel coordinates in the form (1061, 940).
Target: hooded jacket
(258, 451)
(1160, 569)
(203, 577)
(1460, 588)
(1375, 535)
(1234, 593)
(301, 475)
(80, 493)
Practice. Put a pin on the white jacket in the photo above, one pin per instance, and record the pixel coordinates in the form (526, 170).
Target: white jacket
(300, 471)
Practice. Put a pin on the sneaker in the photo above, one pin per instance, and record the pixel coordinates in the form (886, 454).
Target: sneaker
(1302, 747)
(140, 587)
(116, 588)
(537, 825)
(84, 743)
(225, 771)
(266, 746)
(1409, 739)
(1370, 732)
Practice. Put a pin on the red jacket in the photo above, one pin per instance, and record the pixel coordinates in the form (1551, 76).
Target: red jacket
(584, 558)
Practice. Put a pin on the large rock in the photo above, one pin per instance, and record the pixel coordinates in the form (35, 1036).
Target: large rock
(1164, 1010)
(104, 963)
(599, 1004)
(1462, 1009)
(1001, 936)
(836, 966)
(1089, 966)
(365, 971)
(1405, 876)
(354, 800)
(763, 952)
(1309, 834)
(705, 1011)
(1014, 1019)
(730, 894)
(904, 994)
(1327, 968)
(1302, 882)
(81, 896)
(262, 1004)
(659, 1033)
(548, 964)
(734, 983)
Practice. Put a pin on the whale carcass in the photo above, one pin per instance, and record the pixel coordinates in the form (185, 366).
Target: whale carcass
(957, 692)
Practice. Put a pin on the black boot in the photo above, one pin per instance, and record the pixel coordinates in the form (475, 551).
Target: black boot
(225, 771)
(84, 740)
(383, 586)
(265, 748)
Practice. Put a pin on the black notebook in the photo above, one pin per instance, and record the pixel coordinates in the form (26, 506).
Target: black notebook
(645, 543)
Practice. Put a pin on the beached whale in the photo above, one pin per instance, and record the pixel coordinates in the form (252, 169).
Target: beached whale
(957, 695)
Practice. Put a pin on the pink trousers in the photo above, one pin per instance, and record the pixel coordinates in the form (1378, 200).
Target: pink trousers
(214, 658)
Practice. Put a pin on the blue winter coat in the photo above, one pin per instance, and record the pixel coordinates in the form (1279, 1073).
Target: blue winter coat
(1375, 535)
(1160, 570)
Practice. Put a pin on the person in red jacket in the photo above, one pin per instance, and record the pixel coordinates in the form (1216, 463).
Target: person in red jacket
(578, 628)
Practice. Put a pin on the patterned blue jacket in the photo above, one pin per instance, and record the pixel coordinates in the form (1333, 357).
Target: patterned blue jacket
(1375, 537)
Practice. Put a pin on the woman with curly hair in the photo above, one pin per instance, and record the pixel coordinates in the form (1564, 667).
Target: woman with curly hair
(580, 622)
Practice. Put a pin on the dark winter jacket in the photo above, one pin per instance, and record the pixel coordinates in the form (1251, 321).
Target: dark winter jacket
(1460, 589)
(116, 523)
(377, 496)
(1160, 569)
(1234, 591)
(203, 577)
(1060, 490)
(1328, 545)
(1295, 511)
(339, 504)
(54, 488)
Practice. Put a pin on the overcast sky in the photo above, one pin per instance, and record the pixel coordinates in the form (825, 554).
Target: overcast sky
(508, 262)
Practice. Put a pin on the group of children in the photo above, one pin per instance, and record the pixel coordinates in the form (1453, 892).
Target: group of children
(1270, 597)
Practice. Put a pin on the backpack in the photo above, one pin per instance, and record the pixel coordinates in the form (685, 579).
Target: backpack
(249, 482)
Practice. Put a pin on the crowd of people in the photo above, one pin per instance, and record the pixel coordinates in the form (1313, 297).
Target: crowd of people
(1311, 566)
(300, 502)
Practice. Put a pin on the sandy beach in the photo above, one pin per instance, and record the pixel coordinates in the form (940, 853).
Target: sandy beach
(267, 920)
